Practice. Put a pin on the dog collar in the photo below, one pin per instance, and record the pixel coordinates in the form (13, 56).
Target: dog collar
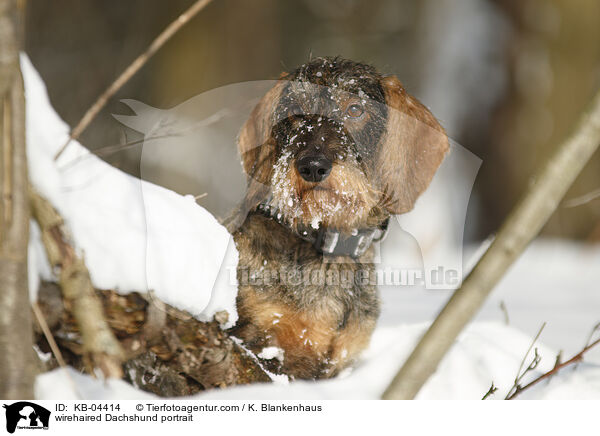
(330, 241)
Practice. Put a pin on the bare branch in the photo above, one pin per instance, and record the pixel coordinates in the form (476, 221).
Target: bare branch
(595, 329)
(9, 51)
(557, 367)
(532, 366)
(583, 199)
(491, 391)
(132, 69)
(516, 387)
(525, 221)
(39, 316)
(99, 341)
(17, 364)
(110, 149)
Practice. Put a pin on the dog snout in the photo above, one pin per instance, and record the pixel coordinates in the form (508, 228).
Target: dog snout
(314, 167)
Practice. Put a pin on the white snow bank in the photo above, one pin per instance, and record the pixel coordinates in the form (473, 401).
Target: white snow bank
(484, 353)
(134, 235)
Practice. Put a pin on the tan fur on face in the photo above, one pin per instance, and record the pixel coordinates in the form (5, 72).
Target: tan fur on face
(411, 151)
(342, 201)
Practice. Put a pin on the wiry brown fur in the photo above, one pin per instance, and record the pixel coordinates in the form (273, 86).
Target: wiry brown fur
(311, 323)
(381, 162)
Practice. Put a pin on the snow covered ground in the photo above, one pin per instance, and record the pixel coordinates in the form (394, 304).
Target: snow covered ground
(139, 236)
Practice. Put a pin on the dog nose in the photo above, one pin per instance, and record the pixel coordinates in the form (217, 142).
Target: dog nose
(314, 168)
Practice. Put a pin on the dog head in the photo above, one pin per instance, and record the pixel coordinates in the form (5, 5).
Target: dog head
(334, 143)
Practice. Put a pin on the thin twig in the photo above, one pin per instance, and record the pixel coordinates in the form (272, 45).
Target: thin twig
(537, 336)
(594, 330)
(39, 316)
(110, 149)
(48, 334)
(583, 199)
(558, 360)
(491, 391)
(534, 363)
(504, 310)
(132, 69)
(577, 358)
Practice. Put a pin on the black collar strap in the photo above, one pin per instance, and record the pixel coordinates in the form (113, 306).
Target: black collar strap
(330, 241)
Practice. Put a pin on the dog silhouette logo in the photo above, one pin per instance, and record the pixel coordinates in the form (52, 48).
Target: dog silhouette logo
(26, 415)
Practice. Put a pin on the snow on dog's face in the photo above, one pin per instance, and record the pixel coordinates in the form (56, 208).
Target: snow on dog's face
(334, 143)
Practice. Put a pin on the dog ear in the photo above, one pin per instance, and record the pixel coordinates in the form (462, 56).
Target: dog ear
(257, 147)
(255, 141)
(412, 150)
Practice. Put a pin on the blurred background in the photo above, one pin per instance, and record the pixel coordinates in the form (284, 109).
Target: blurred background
(507, 78)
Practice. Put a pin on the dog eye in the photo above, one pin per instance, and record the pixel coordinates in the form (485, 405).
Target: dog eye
(355, 110)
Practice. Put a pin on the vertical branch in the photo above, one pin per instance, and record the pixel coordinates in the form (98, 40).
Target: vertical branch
(17, 366)
(525, 221)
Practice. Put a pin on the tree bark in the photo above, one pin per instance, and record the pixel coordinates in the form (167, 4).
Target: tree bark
(166, 351)
(523, 224)
(17, 364)
(102, 350)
